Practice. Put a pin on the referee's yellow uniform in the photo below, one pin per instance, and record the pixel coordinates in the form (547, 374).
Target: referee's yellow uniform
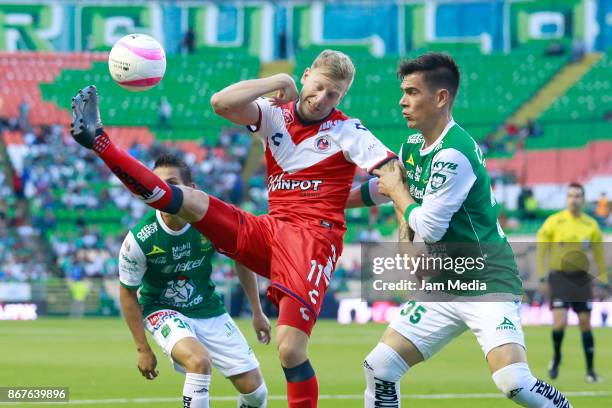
(565, 239)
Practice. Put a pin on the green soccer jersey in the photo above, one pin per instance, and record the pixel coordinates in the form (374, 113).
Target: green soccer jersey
(456, 209)
(171, 268)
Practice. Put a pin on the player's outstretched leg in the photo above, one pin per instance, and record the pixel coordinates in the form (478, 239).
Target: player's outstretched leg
(86, 128)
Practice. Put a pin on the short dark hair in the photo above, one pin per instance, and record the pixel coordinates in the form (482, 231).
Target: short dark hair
(171, 160)
(439, 69)
(578, 186)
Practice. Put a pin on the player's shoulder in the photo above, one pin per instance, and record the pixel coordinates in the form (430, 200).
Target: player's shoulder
(459, 139)
(587, 219)
(147, 226)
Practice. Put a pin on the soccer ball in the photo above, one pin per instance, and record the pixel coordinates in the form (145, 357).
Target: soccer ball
(137, 62)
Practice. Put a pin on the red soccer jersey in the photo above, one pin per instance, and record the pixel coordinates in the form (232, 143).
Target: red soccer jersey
(311, 165)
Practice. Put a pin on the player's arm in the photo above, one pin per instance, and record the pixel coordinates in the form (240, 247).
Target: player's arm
(248, 281)
(366, 195)
(430, 219)
(237, 102)
(132, 266)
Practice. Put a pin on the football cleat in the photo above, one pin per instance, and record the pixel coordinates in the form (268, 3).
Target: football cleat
(592, 378)
(86, 124)
(553, 370)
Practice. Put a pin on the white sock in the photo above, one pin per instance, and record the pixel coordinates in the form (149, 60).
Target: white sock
(522, 388)
(195, 390)
(383, 369)
(256, 399)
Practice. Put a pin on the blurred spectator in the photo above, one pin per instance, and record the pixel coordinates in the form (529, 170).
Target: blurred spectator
(188, 43)
(555, 49)
(533, 129)
(24, 115)
(165, 112)
(531, 206)
(602, 209)
(578, 50)
(79, 289)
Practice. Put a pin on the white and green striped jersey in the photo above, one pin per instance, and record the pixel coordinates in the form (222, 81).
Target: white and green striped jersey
(455, 205)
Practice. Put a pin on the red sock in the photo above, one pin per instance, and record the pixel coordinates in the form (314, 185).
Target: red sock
(302, 386)
(303, 394)
(138, 178)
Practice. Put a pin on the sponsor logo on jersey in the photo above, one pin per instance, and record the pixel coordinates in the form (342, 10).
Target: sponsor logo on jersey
(410, 160)
(322, 143)
(158, 318)
(416, 192)
(156, 250)
(506, 325)
(328, 124)
(288, 116)
(165, 331)
(440, 165)
(277, 182)
(418, 138)
(146, 231)
(181, 251)
(205, 243)
(189, 265)
(410, 174)
(304, 313)
(127, 260)
(158, 260)
(417, 173)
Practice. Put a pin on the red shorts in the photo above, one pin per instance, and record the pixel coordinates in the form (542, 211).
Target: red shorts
(299, 260)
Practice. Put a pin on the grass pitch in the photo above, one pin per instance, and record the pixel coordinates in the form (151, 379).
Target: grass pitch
(96, 359)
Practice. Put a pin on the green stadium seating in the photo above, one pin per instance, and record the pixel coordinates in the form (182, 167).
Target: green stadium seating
(491, 89)
(188, 84)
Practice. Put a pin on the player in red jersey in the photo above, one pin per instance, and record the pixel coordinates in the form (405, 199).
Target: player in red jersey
(312, 152)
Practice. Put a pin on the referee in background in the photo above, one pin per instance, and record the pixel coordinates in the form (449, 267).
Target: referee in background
(563, 242)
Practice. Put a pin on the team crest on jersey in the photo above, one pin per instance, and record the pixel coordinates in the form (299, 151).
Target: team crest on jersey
(322, 143)
(288, 116)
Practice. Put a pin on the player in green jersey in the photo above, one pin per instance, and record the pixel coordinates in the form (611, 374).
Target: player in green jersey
(442, 192)
(168, 263)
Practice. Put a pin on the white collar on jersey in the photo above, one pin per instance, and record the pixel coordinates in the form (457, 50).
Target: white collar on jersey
(168, 229)
(428, 150)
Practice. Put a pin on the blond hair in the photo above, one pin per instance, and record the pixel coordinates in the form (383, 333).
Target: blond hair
(335, 65)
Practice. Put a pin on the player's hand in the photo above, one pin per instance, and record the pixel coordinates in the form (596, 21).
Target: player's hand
(285, 94)
(391, 179)
(262, 327)
(147, 363)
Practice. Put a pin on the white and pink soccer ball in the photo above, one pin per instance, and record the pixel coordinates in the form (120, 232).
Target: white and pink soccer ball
(137, 62)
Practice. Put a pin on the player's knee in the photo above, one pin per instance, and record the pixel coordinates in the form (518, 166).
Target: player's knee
(256, 398)
(512, 378)
(195, 204)
(290, 355)
(198, 363)
(384, 364)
